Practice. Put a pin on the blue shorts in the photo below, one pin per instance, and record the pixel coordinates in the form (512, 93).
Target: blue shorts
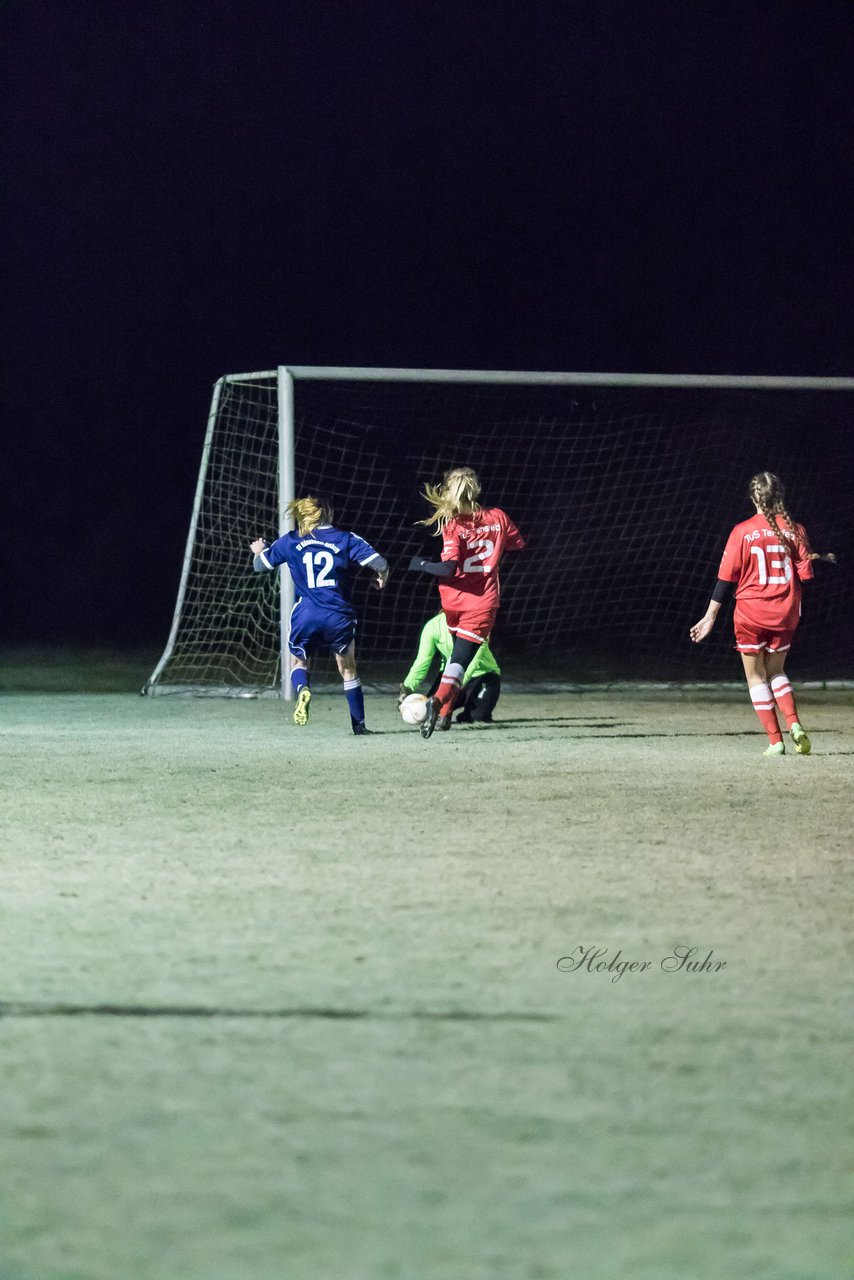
(312, 630)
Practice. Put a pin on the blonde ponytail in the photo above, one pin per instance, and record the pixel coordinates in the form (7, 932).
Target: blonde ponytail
(457, 495)
(308, 513)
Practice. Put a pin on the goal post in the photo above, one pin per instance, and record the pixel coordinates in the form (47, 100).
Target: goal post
(287, 493)
(228, 632)
(153, 679)
(625, 486)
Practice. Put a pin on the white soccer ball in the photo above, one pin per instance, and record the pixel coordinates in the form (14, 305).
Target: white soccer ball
(413, 709)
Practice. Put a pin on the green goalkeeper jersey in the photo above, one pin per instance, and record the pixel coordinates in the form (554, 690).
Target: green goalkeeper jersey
(436, 638)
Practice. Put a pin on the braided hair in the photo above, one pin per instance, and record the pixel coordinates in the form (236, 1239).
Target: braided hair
(457, 495)
(769, 496)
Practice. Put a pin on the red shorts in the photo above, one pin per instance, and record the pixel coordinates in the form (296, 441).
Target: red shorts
(471, 624)
(752, 639)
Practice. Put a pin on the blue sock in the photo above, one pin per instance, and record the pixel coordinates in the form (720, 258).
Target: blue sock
(299, 679)
(355, 700)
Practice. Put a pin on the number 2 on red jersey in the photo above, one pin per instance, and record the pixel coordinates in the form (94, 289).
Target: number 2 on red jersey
(481, 549)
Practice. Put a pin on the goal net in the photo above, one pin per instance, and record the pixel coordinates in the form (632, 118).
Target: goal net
(624, 488)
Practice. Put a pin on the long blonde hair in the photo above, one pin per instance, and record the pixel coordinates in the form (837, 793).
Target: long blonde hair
(308, 513)
(767, 493)
(457, 495)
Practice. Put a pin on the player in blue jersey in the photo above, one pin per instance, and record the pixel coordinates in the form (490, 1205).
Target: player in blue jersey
(321, 559)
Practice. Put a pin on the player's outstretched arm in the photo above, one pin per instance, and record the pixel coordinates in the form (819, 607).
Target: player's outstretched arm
(364, 555)
(701, 629)
(259, 564)
(438, 568)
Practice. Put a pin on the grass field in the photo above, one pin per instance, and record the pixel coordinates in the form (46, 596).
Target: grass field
(287, 1004)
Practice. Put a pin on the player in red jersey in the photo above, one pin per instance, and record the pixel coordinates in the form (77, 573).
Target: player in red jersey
(474, 539)
(766, 558)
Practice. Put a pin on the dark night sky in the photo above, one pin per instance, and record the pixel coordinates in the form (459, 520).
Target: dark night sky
(200, 188)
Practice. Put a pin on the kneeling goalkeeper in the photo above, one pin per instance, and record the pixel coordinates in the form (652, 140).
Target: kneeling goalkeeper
(481, 684)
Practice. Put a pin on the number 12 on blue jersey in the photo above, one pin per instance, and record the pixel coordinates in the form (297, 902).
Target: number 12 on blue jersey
(318, 566)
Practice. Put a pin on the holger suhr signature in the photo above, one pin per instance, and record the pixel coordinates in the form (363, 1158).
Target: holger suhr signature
(682, 959)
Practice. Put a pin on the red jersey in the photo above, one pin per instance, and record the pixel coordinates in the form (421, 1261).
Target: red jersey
(768, 576)
(476, 542)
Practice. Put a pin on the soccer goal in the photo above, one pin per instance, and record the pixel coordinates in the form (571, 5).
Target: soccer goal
(625, 487)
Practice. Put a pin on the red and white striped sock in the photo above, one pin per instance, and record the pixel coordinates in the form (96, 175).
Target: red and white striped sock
(763, 704)
(782, 691)
(452, 678)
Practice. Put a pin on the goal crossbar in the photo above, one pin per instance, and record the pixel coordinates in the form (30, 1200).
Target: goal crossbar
(746, 382)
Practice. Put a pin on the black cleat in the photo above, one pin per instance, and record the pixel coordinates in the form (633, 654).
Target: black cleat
(360, 728)
(428, 724)
(444, 722)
